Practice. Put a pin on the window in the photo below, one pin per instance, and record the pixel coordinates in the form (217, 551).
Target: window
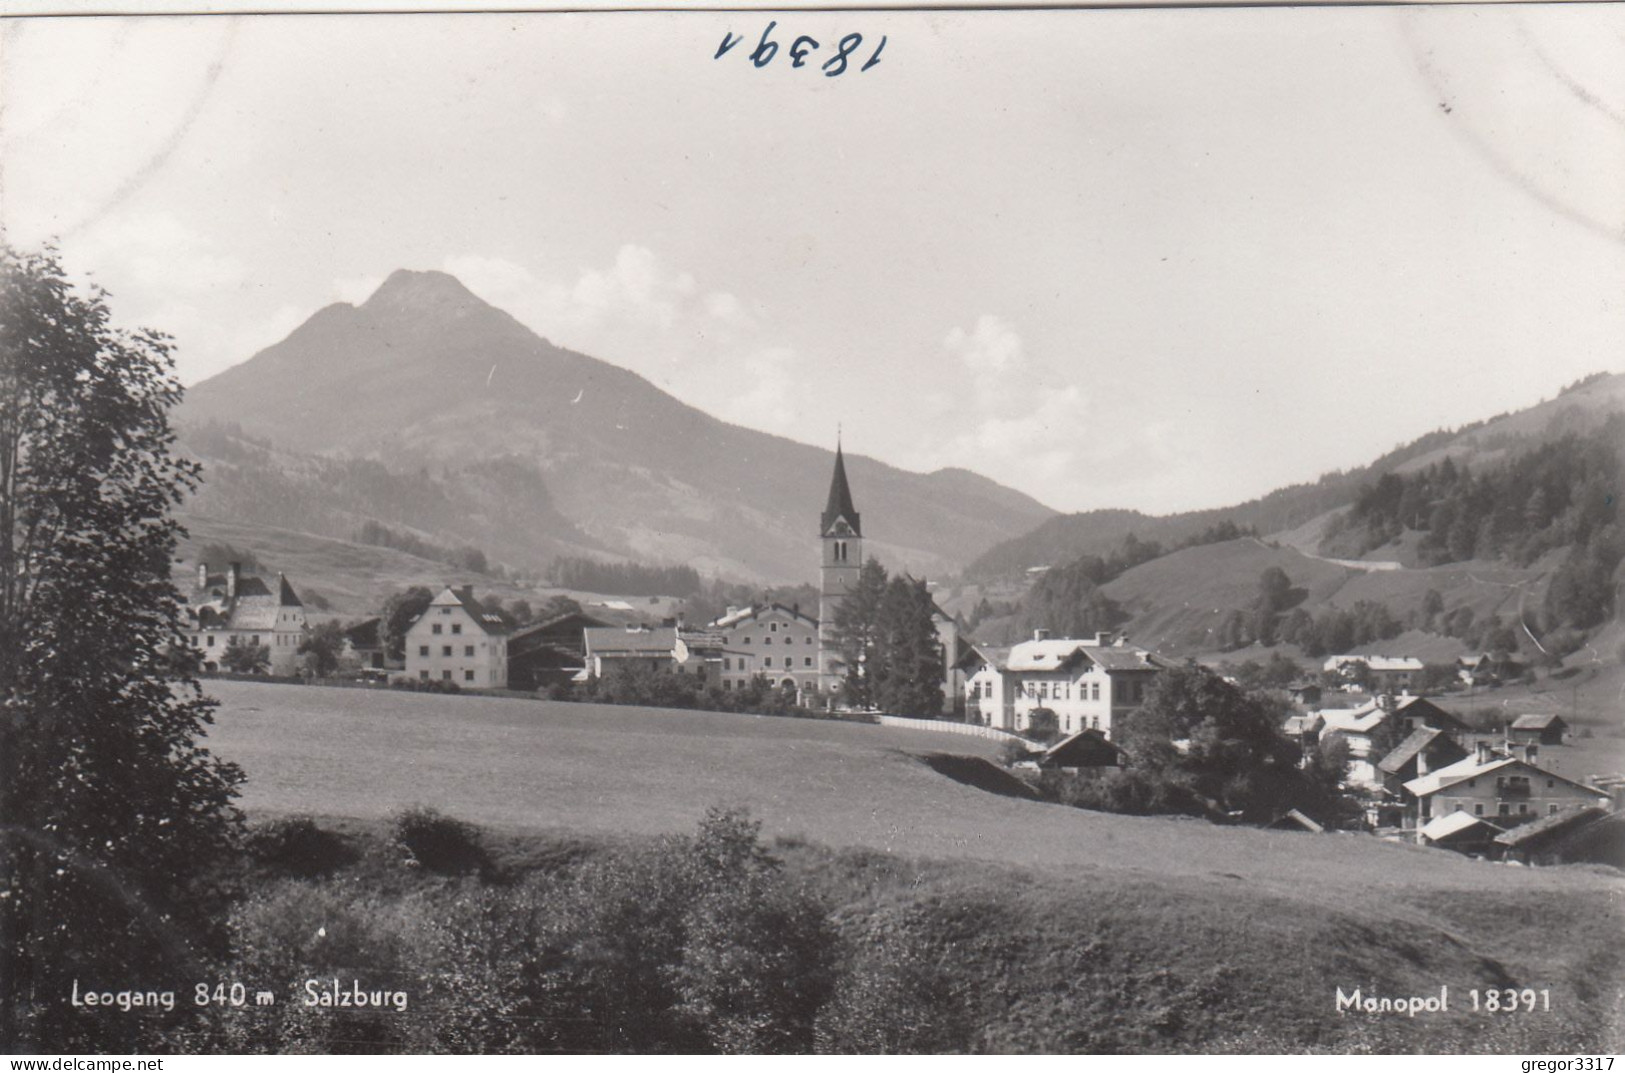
(767, 661)
(1550, 784)
(1471, 783)
(423, 650)
(747, 640)
(423, 676)
(446, 675)
(1551, 810)
(806, 661)
(468, 650)
(727, 665)
(809, 638)
(727, 683)
(773, 627)
(1478, 809)
(767, 640)
(468, 676)
(435, 628)
(256, 638)
(1504, 809)
(210, 639)
(456, 627)
(1094, 690)
(445, 650)
(1523, 808)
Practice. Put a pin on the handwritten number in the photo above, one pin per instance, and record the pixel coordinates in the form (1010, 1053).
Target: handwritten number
(842, 51)
(798, 52)
(765, 50)
(728, 41)
(876, 57)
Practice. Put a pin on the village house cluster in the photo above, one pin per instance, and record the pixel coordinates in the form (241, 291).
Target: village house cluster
(1422, 771)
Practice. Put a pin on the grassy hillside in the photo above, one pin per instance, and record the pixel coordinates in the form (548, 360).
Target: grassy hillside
(618, 770)
(1298, 515)
(355, 578)
(965, 920)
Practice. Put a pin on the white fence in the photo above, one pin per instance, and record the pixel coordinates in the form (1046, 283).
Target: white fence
(942, 727)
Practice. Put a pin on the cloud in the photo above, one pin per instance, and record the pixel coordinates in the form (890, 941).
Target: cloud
(707, 346)
(1001, 412)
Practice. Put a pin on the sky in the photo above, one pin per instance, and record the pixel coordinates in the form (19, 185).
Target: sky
(1162, 260)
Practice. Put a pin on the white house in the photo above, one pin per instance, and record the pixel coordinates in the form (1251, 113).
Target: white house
(1389, 674)
(456, 640)
(228, 607)
(1086, 683)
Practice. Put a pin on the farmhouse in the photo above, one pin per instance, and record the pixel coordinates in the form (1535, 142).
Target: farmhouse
(1086, 683)
(1388, 717)
(1386, 674)
(1425, 749)
(1463, 833)
(1540, 729)
(1506, 786)
(228, 607)
(1085, 749)
(457, 640)
(546, 653)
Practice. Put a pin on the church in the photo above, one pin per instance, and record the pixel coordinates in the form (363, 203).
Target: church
(788, 647)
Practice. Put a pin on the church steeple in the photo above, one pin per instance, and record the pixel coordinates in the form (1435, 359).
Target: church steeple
(840, 505)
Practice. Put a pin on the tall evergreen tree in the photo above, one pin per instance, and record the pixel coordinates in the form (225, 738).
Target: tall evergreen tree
(910, 678)
(113, 811)
(856, 636)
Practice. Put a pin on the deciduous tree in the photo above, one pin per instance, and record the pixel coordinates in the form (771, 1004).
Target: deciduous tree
(114, 812)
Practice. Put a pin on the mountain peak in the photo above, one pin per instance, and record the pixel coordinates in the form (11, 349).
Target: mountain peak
(407, 289)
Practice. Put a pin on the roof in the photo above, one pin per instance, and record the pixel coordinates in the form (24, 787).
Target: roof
(1470, 768)
(1535, 721)
(839, 505)
(1293, 818)
(1454, 823)
(1054, 653)
(1086, 748)
(1376, 663)
(1361, 720)
(1554, 825)
(996, 655)
(254, 613)
(610, 640)
(756, 610)
(364, 634)
(285, 594)
(1298, 725)
(492, 622)
(1407, 750)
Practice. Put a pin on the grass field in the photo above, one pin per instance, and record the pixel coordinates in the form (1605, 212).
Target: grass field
(535, 765)
(1048, 928)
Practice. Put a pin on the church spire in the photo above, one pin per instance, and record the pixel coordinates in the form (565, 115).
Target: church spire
(840, 499)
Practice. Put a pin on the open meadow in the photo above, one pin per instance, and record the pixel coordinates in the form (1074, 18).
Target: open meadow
(1051, 928)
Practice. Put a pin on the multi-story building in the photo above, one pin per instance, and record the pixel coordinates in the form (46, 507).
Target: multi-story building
(1086, 683)
(457, 640)
(1504, 786)
(777, 642)
(227, 607)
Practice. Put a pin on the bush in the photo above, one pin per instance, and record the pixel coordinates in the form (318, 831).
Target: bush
(440, 843)
(425, 685)
(297, 846)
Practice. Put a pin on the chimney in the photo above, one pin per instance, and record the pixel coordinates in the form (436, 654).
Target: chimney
(231, 580)
(1531, 752)
(1040, 635)
(1482, 750)
(467, 593)
(1385, 701)
(202, 575)
(733, 610)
